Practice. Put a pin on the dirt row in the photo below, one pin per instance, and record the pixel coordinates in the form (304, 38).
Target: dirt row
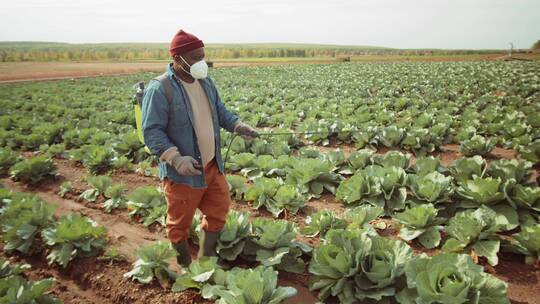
(104, 282)
(93, 281)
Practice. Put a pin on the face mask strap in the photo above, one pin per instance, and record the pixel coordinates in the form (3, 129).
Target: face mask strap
(187, 65)
(184, 60)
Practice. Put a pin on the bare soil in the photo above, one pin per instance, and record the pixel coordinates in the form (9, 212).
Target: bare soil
(523, 280)
(91, 281)
(450, 152)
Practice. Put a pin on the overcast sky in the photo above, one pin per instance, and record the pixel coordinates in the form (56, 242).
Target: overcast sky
(453, 24)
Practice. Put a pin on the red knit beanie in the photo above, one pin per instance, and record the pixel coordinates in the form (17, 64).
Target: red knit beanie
(184, 42)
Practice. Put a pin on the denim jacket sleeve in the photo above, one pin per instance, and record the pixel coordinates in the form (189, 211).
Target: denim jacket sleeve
(227, 119)
(155, 116)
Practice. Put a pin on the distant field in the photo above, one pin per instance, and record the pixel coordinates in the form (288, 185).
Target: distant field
(66, 52)
(51, 51)
(32, 71)
(19, 71)
(162, 45)
(26, 71)
(31, 61)
(457, 57)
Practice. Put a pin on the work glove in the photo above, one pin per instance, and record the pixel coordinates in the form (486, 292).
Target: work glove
(184, 165)
(246, 131)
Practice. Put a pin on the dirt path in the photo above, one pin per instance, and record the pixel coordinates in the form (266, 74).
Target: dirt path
(65, 289)
(91, 281)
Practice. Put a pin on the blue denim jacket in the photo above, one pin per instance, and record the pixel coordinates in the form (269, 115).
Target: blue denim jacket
(163, 129)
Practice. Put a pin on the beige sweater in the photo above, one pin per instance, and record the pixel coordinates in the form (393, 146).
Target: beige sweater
(202, 116)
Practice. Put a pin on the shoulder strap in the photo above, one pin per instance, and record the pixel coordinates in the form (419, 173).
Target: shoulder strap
(166, 82)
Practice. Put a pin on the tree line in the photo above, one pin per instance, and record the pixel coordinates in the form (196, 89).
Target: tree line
(17, 52)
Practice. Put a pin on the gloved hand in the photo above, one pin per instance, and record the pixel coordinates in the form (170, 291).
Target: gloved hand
(184, 165)
(245, 130)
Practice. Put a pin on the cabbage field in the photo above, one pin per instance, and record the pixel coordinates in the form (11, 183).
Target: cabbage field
(382, 183)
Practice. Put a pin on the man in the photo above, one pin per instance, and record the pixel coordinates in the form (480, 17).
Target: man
(185, 136)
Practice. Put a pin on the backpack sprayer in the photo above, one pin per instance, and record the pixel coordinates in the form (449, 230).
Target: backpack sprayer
(137, 108)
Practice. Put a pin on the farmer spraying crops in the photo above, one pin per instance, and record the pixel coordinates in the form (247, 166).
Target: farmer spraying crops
(182, 114)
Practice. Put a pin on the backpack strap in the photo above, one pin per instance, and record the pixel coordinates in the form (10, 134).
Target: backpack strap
(166, 82)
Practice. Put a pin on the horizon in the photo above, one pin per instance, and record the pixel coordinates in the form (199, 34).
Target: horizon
(286, 44)
(410, 24)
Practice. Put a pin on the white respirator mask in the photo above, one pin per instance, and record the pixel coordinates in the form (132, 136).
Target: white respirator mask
(198, 70)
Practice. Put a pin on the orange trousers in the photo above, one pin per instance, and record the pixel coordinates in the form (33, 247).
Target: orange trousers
(183, 200)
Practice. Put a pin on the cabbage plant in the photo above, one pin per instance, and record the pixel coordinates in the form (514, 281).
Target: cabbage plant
(355, 265)
(477, 145)
(421, 222)
(450, 278)
(475, 231)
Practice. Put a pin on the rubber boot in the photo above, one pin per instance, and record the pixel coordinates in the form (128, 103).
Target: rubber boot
(207, 243)
(183, 258)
